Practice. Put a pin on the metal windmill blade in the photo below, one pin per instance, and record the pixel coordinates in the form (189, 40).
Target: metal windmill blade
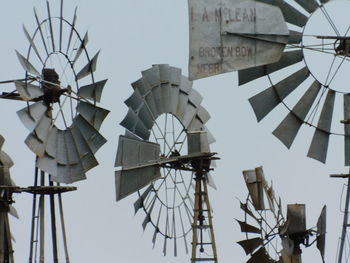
(308, 78)
(6, 208)
(263, 227)
(166, 146)
(59, 85)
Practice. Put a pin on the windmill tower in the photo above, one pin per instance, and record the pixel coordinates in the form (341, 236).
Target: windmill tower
(165, 157)
(63, 119)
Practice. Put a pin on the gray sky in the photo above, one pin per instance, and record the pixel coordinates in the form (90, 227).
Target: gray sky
(133, 35)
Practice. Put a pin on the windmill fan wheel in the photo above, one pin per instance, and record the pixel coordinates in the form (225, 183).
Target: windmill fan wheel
(61, 94)
(310, 79)
(163, 110)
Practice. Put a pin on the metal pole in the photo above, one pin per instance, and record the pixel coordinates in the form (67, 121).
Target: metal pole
(53, 226)
(345, 222)
(33, 218)
(63, 228)
(42, 221)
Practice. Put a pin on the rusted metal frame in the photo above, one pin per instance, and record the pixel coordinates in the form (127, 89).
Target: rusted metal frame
(42, 190)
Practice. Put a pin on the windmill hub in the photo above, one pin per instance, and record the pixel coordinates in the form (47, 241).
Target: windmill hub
(326, 44)
(51, 86)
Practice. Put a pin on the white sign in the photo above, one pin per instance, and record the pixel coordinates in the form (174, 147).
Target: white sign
(230, 35)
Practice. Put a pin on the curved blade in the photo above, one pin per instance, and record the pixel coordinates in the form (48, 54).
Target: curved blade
(245, 208)
(93, 114)
(29, 116)
(254, 184)
(81, 47)
(32, 44)
(92, 137)
(261, 256)
(250, 245)
(135, 125)
(291, 15)
(319, 145)
(321, 232)
(267, 100)
(309, 5)
(93, 91)
(28, 91)
(287, 59)
(295, 37)
(88, 68)
(246, 228)
(86, 155)
(139, 202)
(289, 127)
(27, 66)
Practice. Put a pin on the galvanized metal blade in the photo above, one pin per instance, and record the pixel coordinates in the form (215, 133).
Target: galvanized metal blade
(29, 116)
(296, 218)
(211, 138)
(135, 125)
(210, 180)
(48, 164)
(51, 145)
(137, 104)
(5, 159)
(295, 37)
(130, 181)
(247, 228)
(93, 114)
(51, 27)
(267, 100)
(309, 5)
(37, 140)
(13, 212)
(139, 202)
(182, 104)
(156, 229)
(86, 155)
(289, 127)
(148, 214)
(319, 145)
(321, 232)
(89, 68)
(61, 150)
(347, 129)
(28, 91)
(146, 93)
(81, 48)
(72, 30)
(287, 59)
(151, 79)
(261, 256)
(27, 66)
(32, 44)
(250, 245)
(92, 91)
(92, 137)
(38, 23)
(255, 187)
(291, 15)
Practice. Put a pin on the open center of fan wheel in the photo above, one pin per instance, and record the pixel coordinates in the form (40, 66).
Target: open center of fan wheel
(326, 45)
(58, 83)
(173, 187)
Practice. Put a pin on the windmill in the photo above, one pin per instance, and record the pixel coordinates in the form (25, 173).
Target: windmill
(6, 201)
(270, 237)
(62, 116)
(165, 157)
(303, 55)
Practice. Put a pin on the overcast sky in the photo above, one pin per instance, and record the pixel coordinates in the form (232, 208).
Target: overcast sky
(133, 35)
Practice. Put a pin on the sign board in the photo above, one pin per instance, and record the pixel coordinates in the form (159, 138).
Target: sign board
(230, 35)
